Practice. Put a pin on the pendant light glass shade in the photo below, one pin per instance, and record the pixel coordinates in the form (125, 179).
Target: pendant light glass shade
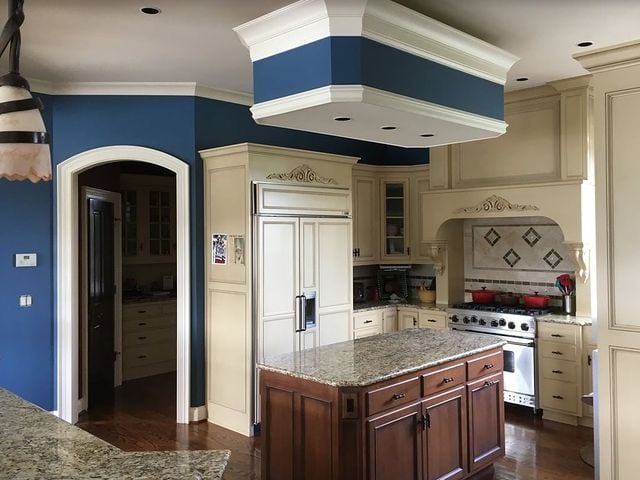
(24, 149)
(23, 153)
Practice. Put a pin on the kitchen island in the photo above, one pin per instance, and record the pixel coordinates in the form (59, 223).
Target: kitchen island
(414, 404)
(36, 445)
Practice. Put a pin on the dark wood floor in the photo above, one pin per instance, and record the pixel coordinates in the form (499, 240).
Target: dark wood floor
(142, 418)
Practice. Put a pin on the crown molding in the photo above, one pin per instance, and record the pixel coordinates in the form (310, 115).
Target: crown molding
(166, 89)
(382, 21)
(610, 58)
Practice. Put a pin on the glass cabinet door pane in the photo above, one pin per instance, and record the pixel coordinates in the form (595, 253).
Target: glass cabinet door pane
(394, 227)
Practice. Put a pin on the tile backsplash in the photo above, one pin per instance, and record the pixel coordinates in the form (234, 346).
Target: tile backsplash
(519, 255)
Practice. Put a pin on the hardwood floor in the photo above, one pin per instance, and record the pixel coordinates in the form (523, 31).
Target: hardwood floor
(142, 418)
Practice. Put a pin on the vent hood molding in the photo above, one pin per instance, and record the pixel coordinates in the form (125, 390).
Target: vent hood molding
(379, 63)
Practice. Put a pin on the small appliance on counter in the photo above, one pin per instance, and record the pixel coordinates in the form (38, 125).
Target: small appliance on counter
(358, 292)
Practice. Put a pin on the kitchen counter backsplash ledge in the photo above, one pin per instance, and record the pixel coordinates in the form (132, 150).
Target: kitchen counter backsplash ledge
(566, 319)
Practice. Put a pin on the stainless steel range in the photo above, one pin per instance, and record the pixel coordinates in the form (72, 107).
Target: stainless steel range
(518, 327)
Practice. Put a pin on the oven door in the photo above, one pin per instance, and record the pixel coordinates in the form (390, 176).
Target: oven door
(519, 367)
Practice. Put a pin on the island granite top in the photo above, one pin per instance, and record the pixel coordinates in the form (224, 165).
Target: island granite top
(369, 360)
(36, 444)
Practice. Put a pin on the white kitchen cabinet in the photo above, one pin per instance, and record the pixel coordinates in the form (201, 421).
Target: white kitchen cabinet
(588, 346)
(366, 220)
(148, 219)
(407, 318)
(560, 371)
(432, 319)
(367, 323)
(389, 319)
(419, 184)
(149, 339)
(395, 220)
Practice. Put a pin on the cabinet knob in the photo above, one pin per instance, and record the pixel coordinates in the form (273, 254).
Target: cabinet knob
(399, 396)
(447, 380)
(368, 321)
(431, 320)
(489, 383)
(415, 322)
(557, 335)
(488, 366)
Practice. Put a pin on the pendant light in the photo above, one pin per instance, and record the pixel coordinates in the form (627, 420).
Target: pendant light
(24, 148)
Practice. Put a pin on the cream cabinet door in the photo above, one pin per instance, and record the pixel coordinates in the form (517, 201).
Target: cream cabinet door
(278, 279)
(366, 220)
(394, 228)
(389, 320)
(419, 184)
(335, 279)
(407, 319)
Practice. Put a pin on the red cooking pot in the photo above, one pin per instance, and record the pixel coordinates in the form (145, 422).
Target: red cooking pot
(536, 301)
(483, 296)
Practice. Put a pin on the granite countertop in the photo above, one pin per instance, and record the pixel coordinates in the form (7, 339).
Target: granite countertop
(566, 319)
(367, 306)
(370, 360)
(36, 444)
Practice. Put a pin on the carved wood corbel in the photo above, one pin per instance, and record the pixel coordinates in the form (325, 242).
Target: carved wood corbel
(436, 252)
(580, 257)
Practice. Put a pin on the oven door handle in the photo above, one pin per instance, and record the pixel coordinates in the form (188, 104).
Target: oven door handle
(523, 342)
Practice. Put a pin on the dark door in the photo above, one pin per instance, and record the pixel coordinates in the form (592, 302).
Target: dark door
(101, 301)
(395, 445)
(486, 421)
(446, 443)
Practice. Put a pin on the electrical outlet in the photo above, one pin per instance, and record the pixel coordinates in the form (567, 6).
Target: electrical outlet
(25, 300)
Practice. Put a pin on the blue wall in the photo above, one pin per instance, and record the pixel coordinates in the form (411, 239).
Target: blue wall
(179, 126)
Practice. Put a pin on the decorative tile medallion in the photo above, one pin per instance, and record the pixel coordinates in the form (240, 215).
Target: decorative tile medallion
(492, 237)
(511, 257)
(531, 236)
(553, 258)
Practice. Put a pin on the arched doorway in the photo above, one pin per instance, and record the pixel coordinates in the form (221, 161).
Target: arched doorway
(67, 270)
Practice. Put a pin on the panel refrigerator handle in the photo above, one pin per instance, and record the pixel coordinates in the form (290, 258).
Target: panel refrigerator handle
(303, 313)
(299, 314)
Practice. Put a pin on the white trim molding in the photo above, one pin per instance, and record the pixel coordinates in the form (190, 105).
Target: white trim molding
(166, 89)
(198, 414)
(67, 272)
(383, 21)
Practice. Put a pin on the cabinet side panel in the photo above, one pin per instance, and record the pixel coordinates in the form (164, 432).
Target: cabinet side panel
(316, 438)
(279, 445)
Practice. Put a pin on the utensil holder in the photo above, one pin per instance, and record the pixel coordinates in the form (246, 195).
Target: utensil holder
(569, 304)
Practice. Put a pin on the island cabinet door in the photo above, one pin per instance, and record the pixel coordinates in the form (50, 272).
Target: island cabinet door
(446, 431)
(395, 445)
(486, 421)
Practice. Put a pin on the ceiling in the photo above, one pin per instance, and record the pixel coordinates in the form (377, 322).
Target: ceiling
(193, 41)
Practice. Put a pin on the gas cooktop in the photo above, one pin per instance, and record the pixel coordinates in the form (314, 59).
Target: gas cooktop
(508, 309)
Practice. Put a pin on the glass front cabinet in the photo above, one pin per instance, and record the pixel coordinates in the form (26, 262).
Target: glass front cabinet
(148, 219)
(395, 220)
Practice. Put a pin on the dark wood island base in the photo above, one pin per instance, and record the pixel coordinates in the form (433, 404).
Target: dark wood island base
(443, 422)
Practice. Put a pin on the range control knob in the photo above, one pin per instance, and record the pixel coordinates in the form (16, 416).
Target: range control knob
(482, 321)
(502, 322)
(466, 320)
(524, 326)
(512, 325)
(494, 323)
(474, 319)
(454, 318)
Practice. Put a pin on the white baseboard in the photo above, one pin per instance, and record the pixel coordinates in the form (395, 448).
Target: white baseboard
(197, 414)
(54, 413)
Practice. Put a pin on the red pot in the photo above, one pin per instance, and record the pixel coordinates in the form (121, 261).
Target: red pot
(483, 296)
(536, 301)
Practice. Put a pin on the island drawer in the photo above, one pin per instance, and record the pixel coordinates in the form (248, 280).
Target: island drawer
(443, 379)
(392, 395)
(485, 365)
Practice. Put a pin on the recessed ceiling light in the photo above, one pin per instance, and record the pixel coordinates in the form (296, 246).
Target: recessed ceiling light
(522, 79)
(342, 119)
(427, 135)
(150, 10)
(585, 44)
(388, 127)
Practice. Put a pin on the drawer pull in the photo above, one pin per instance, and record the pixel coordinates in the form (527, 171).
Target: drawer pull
(559, 372)
(399, 396)
(142, 311)
(142, 324)
(142, 338)
(489, 383)
(431, 320)
(488, 366)
(448, 380)
(415, 322)
(557, 335)
(555, 352)
(368, 321)
(142, 356)
(558, 397)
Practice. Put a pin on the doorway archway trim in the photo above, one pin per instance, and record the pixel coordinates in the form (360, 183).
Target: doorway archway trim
(67, 269)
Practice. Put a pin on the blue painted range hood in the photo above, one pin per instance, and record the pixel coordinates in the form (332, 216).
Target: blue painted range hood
(374, 70)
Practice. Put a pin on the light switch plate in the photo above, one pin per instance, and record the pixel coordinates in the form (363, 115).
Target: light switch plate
(26, 260)
(25, 300)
